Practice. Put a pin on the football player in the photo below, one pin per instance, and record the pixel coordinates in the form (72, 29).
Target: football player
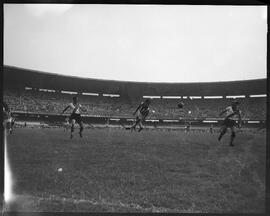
(229, 121)
(140, 114)
(75, 116)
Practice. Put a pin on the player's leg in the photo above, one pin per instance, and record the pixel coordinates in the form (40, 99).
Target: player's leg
(81, 128)
(132, 127)
(141, 122)
(72, 128)
(222, 132)
(138, 119)
(143, 117)
(140, 125)
(233, 135)
(80, 123)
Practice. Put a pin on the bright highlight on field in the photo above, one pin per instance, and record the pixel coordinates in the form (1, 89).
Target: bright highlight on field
(8, 179)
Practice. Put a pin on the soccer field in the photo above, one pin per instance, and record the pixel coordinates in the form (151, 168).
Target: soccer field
(114, 170)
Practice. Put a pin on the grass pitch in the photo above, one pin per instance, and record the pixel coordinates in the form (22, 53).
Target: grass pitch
(114, 170)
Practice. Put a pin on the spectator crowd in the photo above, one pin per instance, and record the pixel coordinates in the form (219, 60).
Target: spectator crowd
(54, 103)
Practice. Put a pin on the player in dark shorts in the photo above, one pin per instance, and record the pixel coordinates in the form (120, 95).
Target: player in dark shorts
(140, 114)
(75, 116)
(230, 122)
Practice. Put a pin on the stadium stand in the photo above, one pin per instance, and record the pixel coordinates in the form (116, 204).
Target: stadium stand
(36, 99)
(54, 103)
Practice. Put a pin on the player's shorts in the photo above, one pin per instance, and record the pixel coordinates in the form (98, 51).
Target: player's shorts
(138, 115)
(76, 117)
(229, 123)
(141, 116)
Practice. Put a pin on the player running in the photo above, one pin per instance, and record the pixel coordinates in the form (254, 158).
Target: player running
(229, 121)
(75, 116)
(140, 114)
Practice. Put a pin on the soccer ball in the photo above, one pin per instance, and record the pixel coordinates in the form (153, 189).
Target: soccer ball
(180, 105)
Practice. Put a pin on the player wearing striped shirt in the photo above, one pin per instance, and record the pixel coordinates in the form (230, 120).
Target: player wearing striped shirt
(229, 122)
(140, 114)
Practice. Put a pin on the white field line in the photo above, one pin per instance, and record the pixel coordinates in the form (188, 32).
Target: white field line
(110, 203)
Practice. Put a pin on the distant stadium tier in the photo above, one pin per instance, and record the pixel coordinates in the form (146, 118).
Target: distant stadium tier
(28, 91)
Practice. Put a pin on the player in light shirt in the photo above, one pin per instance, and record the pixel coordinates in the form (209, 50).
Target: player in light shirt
(75, 116)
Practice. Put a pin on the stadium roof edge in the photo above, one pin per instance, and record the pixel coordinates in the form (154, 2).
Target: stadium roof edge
(122, 81)
(20, 77)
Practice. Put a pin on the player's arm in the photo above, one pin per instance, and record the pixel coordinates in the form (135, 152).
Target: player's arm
(233, 114)
(137, 109)
(220, 114)
(65, 109)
